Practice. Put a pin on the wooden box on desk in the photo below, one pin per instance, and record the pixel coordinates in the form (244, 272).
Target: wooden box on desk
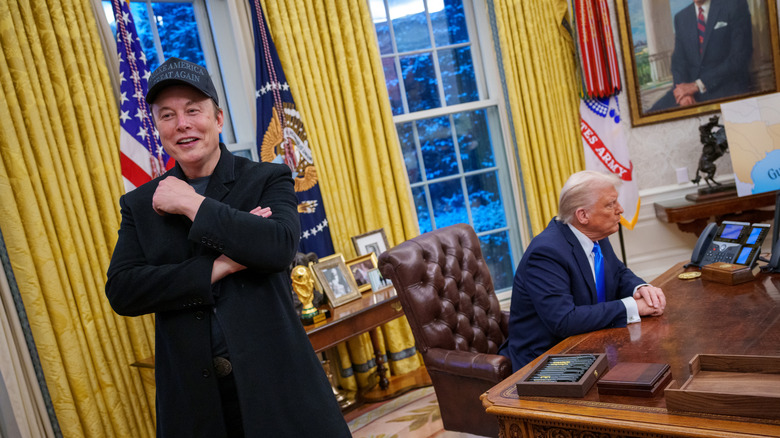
(746, 386)
(726, 273)
(635, 379)
(563, 389)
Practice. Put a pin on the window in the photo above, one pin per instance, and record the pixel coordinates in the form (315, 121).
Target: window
(176, 29)
(448, 124)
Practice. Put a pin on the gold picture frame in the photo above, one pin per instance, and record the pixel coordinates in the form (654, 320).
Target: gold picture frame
(359, 268)
(374, 241)
(648, 60)
(336, 280)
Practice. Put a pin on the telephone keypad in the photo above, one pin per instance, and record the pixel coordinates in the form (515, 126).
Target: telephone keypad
(720, 253)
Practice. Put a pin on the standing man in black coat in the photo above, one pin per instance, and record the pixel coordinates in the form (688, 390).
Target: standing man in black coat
(206, 248)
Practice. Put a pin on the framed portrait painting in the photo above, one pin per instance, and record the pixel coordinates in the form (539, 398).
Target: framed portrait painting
(371, 242)
(360, 267)
(682, 60)
(336, 280)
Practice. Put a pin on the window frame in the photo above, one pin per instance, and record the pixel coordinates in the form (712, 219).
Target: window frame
(491, 99)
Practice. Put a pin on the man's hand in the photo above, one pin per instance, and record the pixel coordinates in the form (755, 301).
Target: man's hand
(687, 101)
(650, 300)
(261, 211)
(685, 89)
(224, 265)
(174, 196)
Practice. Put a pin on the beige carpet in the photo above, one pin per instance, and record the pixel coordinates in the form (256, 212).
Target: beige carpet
(412, 415)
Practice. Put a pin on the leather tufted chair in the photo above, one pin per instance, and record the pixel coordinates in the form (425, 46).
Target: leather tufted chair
(447, 295)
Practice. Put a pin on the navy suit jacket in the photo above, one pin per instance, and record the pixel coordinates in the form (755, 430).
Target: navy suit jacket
(554, 294)
(728, 47)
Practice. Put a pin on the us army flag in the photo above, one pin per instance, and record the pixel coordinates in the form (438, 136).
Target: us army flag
(606, 149)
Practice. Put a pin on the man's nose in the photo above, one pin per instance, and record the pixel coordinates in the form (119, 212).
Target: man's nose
(618, 208)
(182, 123)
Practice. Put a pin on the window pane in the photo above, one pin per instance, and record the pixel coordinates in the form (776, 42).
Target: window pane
(144, 29)
(420, 82)
(476, 147)
(438, 149)
(487, 210)
(457, 75)
(393, 85)
(406, 138)
(176, 21)
(448, 203)
(410, 25)
(449, 23)
(421, 205)
(382, 28)
(498, 255)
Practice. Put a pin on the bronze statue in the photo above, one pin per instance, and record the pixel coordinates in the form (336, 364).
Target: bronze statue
(715, 145)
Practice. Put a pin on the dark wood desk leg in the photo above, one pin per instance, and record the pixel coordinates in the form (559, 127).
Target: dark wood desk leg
(381, 369)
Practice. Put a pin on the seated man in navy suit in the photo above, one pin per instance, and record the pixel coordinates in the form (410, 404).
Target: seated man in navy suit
(555, 294)
(713, 45)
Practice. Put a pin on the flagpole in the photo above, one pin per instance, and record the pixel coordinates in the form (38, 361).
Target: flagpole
(622, 244)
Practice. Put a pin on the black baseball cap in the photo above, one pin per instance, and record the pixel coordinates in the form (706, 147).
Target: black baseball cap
(178, 71)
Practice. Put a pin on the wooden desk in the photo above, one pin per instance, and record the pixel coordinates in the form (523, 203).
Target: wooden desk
(351, 319)
(366, 314)
(692, 217)
(700, 317)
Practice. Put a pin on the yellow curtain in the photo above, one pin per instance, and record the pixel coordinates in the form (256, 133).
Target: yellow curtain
(543, 88)
(59, 182)
(330, 56)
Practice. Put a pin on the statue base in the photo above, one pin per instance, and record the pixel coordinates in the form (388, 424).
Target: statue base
(712, 193)
(313, 319)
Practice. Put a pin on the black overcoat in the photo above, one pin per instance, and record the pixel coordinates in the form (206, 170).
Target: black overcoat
(162, 265)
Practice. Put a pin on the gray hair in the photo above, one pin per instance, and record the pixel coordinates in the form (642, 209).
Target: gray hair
(581, 191)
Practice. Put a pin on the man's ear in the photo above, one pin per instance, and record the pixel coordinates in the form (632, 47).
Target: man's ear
(582, 216)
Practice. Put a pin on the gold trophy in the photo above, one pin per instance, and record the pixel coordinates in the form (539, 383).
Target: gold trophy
(303, 285)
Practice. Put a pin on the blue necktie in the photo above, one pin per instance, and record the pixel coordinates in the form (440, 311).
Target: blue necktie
(598, 268)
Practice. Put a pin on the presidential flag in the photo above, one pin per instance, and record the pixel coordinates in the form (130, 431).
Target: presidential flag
(141, 154)
(606, 150)
(282, 138)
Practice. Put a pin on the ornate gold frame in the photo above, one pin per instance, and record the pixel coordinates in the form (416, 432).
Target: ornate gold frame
(336, 262)
(638, 117)
(360, 260)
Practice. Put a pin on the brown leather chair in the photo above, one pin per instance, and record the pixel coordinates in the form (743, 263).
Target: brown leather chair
(447, 295)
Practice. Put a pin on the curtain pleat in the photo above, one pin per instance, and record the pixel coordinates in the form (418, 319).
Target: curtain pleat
(18, 378)
(330, 56)
(60, 181)
(542, 85)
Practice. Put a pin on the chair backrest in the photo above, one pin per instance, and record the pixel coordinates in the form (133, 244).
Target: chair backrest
(446, 291)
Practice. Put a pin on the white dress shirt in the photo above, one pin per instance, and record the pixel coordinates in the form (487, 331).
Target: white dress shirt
(632, 311)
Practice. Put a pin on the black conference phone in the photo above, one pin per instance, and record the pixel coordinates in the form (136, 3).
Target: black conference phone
(730, 242)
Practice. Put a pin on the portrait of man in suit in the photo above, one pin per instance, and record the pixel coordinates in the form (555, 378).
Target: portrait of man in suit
(713, 46)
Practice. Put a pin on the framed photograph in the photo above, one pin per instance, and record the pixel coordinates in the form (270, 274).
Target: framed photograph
(360, 267)
(675, 70)
(336, 280)
(377, 280)
(371, 242)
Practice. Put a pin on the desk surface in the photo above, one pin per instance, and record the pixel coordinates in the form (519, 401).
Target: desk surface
(700, 317)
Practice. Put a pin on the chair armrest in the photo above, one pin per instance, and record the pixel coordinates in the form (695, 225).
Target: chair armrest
(490, 367)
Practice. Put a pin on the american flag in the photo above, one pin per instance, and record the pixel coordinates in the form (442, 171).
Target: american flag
(141, 153)
(281, 137)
